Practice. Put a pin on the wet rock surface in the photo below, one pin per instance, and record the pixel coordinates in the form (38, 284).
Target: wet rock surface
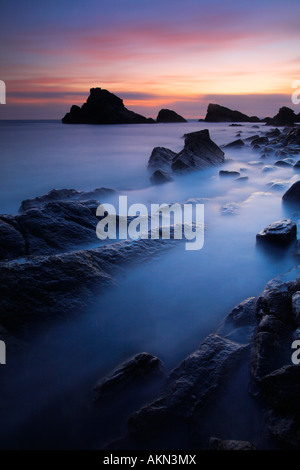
(140, 368)
(292, 195)
(160, 177)
(63, 284)
(235, 144)
(191, 390)
(229, 173)
(282, 233)
(56, 195)
(199, 152)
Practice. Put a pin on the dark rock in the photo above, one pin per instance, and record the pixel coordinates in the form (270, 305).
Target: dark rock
(282, 163)
(161, 159)
(64, 284)
(296, 307)
(272, 341)
(103, 107)
(292, 137)
(259, 141)
(141, 368)
(58, 226)
(280, 153)
(190, 387)
(285, 429)
(297, 165)
(242, 179)
(252, 137)
(281, 389)
(199, 152)
(240, 322)
(167, 115)
(282, 233)
(12, 242)
(235, 144)
(268, 168)
(285, 117)
(66, 195)
(217, 113)
(217, 444)
(244, 314)
(160, 177)
(273, 133)
(292, 195)
(228, 173)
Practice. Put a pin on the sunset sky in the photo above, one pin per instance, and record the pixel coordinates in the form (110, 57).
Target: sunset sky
(153, 54)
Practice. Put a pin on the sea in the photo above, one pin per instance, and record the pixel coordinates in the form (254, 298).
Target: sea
(165, 306)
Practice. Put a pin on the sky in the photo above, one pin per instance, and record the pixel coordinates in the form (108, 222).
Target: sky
(177, 54)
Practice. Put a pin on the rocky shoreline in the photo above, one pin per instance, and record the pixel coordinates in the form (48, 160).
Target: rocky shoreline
(45, 277)
(255, 336)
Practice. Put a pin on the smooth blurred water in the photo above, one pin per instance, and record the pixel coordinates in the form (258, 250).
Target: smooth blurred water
(166, 306)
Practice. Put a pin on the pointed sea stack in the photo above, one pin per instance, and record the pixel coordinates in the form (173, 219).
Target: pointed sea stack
(103, 107)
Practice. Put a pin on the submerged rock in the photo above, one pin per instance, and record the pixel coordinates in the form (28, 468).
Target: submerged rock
(242, 179)
(229, 173)
(283, 233)
(160, 177)
(268, 168)
(103, 107)
(297, 165)
(283, 163)
(167, 115)
(292, 195)
(64, 284)
(259, 141)
(273, 133)
(251, 138)
(56, 195)
(231, 208)
(199, 152)
(235, 144)
(140, 368)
